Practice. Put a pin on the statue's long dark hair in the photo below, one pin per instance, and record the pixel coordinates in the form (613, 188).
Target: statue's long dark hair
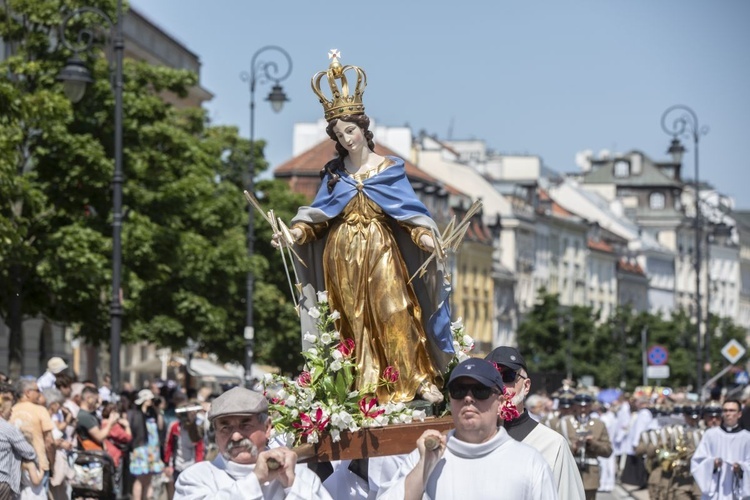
(337, 164)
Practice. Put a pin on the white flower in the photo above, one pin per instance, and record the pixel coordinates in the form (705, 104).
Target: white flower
(381, 420)
(336, 355)
(336, 335)
(282, 394)
(309, 337)
(468, 341)
(322, 297)
(354, 427)
(314, 312)
(267, 378)
(313, 351)
(335, 315)
(346, 418)
(405, 418)
(352, 395)
(458, 324)
(312, 438)
(456, 346)
(295, 413)
(461, 356)
(335, 435)
(419, 415)
(336, 365)
(326, 338)
(291, 401)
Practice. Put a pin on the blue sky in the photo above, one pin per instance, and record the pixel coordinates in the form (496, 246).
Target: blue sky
(543, 77)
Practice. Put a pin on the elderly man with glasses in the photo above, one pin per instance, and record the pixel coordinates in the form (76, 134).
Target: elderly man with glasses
(721, 464)
(477, 459)
(550, 444)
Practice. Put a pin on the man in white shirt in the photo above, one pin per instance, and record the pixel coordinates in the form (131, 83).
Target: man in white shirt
(245, 468)
(47, 380)
(721, 464)
(477, 459)
(552, 445)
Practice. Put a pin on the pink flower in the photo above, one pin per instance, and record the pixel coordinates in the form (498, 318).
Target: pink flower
(390, 375)
(346, 347)
(304, 379)
(310, 424)
(508, 411)
(366, 407)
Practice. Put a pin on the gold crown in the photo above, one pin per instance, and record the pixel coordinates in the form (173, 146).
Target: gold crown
(342, 103)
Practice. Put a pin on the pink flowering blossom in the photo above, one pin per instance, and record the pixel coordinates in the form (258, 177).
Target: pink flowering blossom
(346, 347)
(366, 407)
(310, 424)
(390, 375)
(508, 410)
(305, 379)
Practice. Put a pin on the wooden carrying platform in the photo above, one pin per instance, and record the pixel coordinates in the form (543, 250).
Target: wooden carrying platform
(372, 441)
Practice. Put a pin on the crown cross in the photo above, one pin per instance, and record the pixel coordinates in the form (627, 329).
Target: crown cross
(342, 103)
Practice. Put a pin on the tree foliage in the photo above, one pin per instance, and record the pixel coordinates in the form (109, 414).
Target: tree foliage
(184, 238)
(611, 351)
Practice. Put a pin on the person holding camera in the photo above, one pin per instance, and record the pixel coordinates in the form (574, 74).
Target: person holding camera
(184, 445)
(145, 459)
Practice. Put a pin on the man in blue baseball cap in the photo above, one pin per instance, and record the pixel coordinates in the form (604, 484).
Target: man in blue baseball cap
(445, 466)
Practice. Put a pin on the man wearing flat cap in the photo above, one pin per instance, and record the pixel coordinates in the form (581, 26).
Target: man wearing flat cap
(477, 459)
(550, 444)
(245, 467)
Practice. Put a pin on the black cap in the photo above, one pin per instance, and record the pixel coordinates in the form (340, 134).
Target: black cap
(565, 401)
(712, 410)
(507, 356)
(583, 399)
(480, 370)
(692, 410)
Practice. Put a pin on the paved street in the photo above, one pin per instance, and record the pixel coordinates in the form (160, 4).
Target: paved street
(623, 492)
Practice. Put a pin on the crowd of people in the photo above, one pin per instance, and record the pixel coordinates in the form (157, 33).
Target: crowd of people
(52, 425)
(161, 442)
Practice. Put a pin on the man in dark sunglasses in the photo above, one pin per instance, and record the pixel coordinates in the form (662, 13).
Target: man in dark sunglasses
(550, 444)
(477, 459)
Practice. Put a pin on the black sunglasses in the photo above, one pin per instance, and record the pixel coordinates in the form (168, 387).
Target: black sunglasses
(510, 376)
(479, 392)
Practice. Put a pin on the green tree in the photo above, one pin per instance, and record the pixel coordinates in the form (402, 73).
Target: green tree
(184, 235)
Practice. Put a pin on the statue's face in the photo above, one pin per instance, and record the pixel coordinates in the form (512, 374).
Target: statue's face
(350, 135)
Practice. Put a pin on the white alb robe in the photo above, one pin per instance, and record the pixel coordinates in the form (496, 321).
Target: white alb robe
(731, 448)
(222, 480)
(499, 468)
(607, 466)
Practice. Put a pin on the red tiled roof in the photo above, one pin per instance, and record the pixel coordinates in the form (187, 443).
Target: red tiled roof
(602, 246)
(311, 161)
(630, 267)
(556, 209)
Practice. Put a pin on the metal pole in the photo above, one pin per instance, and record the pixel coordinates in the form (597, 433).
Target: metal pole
(644, 362)
(259, 72)
(116, 311)
(249, 328)
(684, 123)
(708, 330)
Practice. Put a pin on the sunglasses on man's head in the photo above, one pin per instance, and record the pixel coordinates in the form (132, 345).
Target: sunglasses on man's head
(479, 392)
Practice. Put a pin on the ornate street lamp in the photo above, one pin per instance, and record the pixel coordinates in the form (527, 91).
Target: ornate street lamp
(75, 76)
(685, 123)
(260, 72)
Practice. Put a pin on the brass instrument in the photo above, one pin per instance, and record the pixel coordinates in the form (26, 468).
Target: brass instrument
(676, 451)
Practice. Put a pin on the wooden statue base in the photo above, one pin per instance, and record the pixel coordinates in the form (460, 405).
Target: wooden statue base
(372, 442)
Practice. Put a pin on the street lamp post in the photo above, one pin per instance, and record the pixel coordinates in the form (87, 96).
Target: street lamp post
(260, 72)
(75, 76)
(685, 122)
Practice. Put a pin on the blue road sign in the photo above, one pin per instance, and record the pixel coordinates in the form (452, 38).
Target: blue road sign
(657, 355)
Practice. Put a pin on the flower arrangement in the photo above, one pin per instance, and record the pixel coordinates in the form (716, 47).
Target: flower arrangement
(321, 400)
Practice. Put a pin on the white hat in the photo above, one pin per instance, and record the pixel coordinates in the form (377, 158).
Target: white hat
(143, 396)
(56, 365)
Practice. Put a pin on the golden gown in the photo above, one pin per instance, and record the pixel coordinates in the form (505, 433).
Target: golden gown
(366, 278)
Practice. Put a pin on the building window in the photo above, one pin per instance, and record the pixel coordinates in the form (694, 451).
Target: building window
(657, 201)
(622, 169)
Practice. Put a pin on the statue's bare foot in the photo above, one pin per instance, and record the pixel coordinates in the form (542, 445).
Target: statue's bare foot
(430, 393)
